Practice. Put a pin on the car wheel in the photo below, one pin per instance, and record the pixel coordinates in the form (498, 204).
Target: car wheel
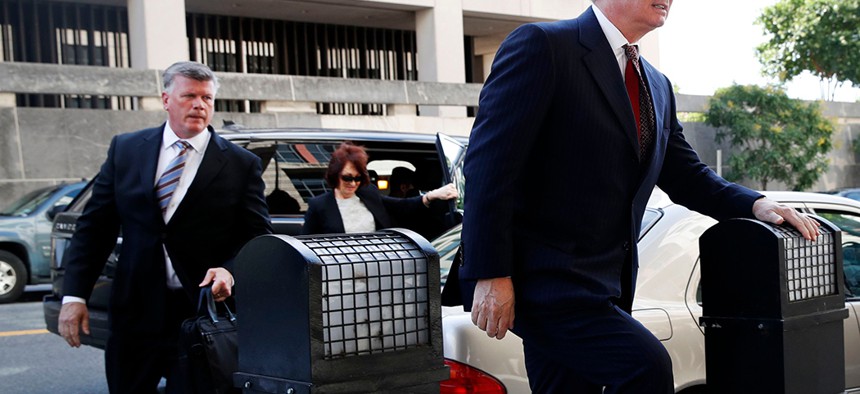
(13, 277)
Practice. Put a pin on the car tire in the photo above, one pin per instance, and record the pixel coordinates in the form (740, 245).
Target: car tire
(13, 277)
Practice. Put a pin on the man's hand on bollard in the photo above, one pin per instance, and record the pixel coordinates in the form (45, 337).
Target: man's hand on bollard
(770, 211)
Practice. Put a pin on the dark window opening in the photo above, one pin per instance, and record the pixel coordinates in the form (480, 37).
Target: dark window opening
(58, 32)
(263, 46)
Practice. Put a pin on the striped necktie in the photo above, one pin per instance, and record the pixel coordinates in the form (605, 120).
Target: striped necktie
(640, 99)
(170, 177)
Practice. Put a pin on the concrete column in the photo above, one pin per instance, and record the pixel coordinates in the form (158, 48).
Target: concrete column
(157, 34)
(288, 106)
(439, 34)
(7, 100)
(151, 104)
(401, 110)
(486, 47)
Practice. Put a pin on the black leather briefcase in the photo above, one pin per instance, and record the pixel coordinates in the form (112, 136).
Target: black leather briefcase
(208, 347)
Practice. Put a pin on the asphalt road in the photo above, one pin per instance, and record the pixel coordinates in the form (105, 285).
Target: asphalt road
(34, 361)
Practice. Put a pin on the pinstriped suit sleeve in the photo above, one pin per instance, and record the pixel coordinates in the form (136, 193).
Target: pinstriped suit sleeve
(512, 106)
(693, 184)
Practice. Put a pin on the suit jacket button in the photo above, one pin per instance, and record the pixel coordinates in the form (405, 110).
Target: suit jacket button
(626, 246)
(163, 236)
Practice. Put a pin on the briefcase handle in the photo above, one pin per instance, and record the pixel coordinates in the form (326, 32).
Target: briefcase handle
(208, 300)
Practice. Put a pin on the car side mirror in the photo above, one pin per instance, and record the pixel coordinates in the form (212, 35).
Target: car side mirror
(52, 213)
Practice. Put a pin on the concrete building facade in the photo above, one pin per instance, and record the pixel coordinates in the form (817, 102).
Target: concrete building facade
(73, 73)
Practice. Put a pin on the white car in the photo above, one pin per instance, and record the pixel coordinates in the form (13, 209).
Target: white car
(668, 300)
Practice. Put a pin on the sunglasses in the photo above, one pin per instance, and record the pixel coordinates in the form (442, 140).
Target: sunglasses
(347, 178)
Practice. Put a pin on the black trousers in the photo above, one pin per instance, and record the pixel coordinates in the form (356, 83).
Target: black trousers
(602, 350)
(135, 363)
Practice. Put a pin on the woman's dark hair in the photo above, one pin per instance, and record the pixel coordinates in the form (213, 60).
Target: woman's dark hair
(347, 152)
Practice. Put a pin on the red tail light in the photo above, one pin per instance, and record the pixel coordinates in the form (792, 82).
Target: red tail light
(467, 380)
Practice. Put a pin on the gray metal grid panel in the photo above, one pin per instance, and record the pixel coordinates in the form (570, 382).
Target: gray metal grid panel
(375, 293)
(810, 266)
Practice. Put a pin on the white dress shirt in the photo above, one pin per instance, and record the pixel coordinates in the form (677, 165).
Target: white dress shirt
(192, 163)
(617, 41)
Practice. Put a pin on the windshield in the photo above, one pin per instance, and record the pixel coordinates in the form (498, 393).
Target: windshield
(29, 203)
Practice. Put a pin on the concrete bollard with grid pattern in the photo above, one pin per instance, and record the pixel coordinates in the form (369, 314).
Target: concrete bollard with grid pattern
(339, 313)
(772, 308)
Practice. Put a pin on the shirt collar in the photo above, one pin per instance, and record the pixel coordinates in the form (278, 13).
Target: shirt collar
(198, 142)
(613, 35)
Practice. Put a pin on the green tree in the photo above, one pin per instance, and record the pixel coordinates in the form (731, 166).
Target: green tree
(774, 138)
(818, 36)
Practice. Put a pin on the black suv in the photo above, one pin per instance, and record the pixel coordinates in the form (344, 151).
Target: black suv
(294, 165)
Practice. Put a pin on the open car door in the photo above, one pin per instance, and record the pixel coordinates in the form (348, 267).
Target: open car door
(451, 154)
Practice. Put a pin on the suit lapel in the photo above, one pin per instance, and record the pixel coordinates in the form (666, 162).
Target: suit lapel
(149, 150)
(336, 220)
(214, 160)
(603, 67)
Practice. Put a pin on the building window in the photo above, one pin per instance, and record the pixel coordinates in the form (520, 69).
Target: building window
(260, 58)
(61, 32)
(263, 46)
(92, 47)
(7, 53)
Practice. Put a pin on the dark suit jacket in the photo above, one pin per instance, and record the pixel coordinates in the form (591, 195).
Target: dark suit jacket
(556, 188)
(323, 215)
(222, 210)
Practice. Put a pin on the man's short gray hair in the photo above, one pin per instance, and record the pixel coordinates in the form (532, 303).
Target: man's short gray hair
(193, 70)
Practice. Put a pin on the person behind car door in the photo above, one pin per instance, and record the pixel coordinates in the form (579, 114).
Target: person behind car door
(187, 201)
(401, 183)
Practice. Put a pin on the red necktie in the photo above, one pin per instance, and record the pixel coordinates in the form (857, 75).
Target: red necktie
(640, 99)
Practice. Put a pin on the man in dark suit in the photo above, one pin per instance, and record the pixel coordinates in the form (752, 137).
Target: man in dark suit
(187, 201)
(562, 159)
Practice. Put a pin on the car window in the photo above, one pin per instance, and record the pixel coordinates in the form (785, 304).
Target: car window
(849, 223)
(67, 198)
(452, 153)
(447, 244)
(651, 216)
(29, 203)
(853, 195)
(851, 262)
(79, 202)
(294, 171)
